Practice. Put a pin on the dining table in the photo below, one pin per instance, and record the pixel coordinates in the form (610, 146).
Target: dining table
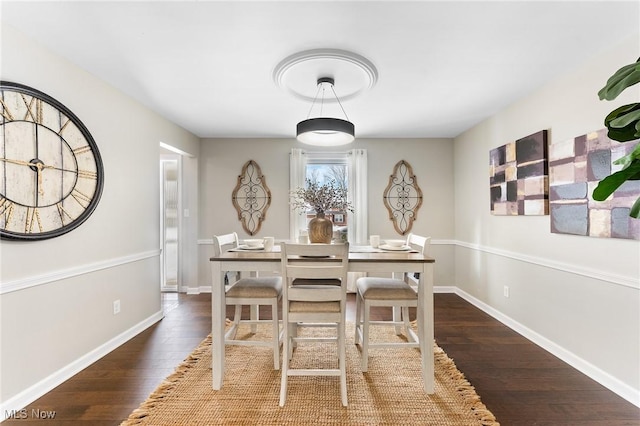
(364, 259)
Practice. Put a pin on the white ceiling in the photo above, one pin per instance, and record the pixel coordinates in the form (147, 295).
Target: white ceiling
(443, 66)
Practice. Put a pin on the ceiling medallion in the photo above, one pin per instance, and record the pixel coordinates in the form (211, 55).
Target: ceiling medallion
(297, 73)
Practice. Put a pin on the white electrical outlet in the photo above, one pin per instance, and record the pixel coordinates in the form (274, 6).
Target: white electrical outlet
(116, 307)
(505, 291)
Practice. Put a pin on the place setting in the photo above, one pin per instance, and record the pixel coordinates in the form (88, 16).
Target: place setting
(256, 244)
(394, 245)
(376, 245)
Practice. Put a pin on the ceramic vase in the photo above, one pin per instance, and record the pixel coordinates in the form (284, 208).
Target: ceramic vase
(320, 229)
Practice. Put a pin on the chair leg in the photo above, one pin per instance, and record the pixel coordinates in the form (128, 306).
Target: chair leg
(342, 354)
(276, 334)
(285, 366)
(358, 330)
(397, 317)
(254, 315)
(293, 332)
(231, 333)
(407, 325)
(365, 337)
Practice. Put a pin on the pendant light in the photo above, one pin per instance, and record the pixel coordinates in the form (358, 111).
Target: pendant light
(325, 131)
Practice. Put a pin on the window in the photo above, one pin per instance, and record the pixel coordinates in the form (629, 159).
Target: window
(323, 170)
(347, 167)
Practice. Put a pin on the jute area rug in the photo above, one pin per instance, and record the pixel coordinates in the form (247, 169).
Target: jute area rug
(390, 393)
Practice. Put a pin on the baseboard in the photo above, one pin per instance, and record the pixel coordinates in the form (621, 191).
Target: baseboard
(34, 392)
(445, 289)
(198, 290)
(605, 379)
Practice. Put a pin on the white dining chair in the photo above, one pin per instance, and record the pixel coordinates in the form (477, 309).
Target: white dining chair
(397, 293)
(252, 291)
(314, 294)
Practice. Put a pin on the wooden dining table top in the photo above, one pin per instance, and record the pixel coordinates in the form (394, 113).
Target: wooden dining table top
(356, 253)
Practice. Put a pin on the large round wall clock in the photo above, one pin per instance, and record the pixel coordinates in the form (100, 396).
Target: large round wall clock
(51, 173)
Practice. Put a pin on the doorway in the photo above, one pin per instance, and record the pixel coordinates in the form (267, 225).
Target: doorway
(170, 222)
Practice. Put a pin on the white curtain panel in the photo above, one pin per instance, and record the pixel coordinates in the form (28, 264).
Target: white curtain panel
(358, 232)
(297, 173)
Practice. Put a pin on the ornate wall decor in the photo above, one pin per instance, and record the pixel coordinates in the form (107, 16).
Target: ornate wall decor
(251, 197)
(402, 197)
(576, 166)
(518, 178)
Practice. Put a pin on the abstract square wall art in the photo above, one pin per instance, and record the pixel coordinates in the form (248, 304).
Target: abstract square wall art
(518, 177)
(575, 168)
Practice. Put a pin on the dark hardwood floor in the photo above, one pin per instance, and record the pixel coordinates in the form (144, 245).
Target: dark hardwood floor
(518, 381)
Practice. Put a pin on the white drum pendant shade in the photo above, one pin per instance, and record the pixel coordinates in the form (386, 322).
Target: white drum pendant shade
(325, 131)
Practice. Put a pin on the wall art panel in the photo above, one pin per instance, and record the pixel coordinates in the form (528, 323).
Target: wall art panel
(575, 168)
(402, 197)
(518, 177)
(251, 197)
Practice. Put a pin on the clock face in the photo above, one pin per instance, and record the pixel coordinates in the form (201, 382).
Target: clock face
(51, 173)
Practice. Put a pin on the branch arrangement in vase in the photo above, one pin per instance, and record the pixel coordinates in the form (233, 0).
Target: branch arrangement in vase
(320, 197)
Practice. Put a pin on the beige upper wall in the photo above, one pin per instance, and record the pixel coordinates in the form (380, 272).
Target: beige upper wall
(114, 255)
(127, 135)
(567, 107)
(577, 295)
(221, 161)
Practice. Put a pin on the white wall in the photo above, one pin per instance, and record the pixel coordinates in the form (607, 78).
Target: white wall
(56, 295)
(221, 161)
(579, 296)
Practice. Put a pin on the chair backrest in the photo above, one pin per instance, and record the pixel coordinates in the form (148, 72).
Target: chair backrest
(319, 269)
(423, 245)
(420, 243)
(224, 242)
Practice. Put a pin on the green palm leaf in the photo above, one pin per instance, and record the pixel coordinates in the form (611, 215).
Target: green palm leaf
(608, 185)
(625, 77)
(635, 209)
(623, 123)
(630, 116)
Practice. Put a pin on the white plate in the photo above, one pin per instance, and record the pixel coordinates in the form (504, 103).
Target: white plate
(392, 248)
(246, 247)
